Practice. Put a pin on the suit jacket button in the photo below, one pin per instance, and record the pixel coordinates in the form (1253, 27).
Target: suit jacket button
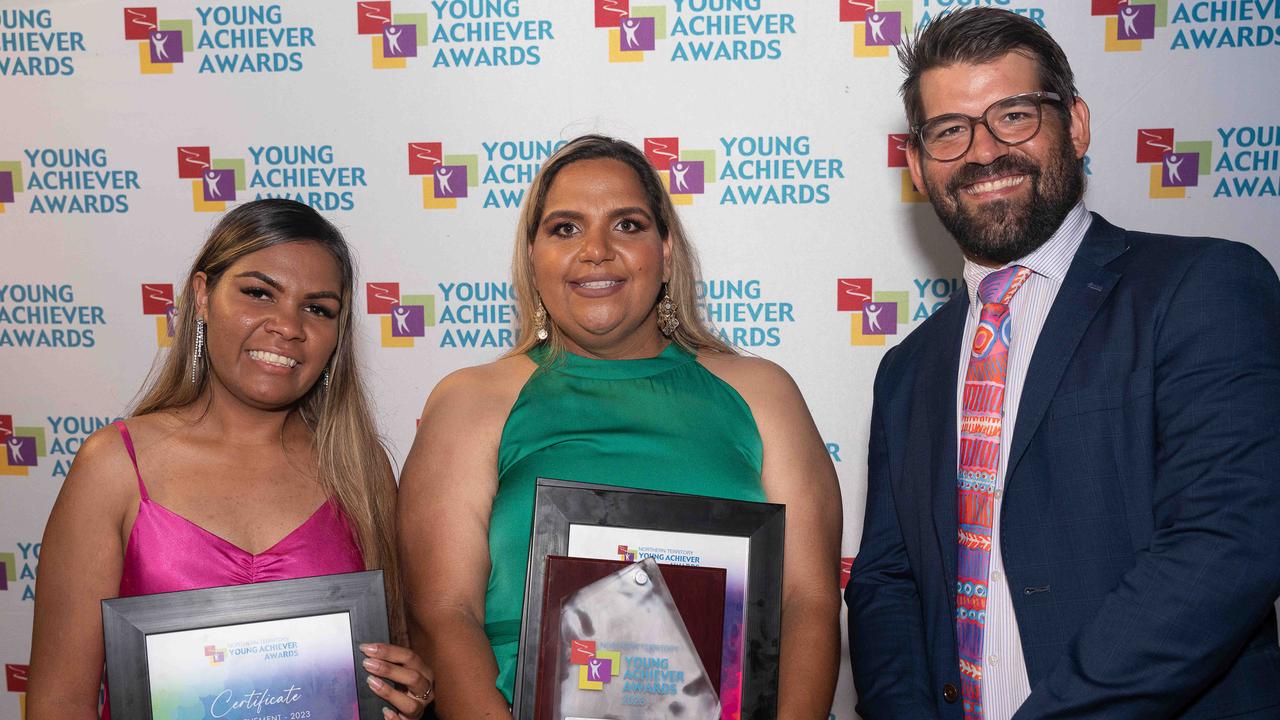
(950, 693)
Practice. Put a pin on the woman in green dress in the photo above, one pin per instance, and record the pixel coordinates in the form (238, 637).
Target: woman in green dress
(613, 379)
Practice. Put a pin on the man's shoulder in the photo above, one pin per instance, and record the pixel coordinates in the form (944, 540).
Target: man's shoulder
(1164, 260)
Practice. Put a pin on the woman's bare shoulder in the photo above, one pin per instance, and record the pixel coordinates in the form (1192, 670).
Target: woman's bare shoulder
(480, 391)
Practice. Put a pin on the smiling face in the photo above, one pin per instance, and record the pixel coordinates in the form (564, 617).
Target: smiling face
(599, 262)
(1001, 202)
(272, 322)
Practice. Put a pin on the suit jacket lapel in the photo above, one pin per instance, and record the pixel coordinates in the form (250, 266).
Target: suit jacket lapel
(938, 387)
(1084, 290)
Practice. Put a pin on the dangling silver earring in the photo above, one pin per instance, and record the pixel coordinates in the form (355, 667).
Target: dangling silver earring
(540, 322)
(326, 377)
(199, 353)
(667, 320)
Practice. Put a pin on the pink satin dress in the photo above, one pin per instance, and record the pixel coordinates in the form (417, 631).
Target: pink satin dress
(167, 552)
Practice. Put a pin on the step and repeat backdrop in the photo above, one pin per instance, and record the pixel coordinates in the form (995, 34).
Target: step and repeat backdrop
(416, 126)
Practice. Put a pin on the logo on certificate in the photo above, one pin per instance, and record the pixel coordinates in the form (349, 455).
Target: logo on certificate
(595, 667)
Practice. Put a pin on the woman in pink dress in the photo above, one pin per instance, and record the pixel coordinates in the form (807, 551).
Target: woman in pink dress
(251, 456)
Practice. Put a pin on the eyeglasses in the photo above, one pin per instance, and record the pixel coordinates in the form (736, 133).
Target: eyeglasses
(1013, 121)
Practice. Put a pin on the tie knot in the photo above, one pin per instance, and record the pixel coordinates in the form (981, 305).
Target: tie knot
(999, 286)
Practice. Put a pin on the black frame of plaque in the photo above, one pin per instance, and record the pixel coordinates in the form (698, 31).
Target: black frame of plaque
(560, 503)
(126, 623)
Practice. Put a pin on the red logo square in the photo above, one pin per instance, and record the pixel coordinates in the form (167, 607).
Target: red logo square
(898, 149)
(1107, 7)
(661, 151)
(846, 569)
(15, 677)
(6, 426)
(580, 651)
(139, 22)
(193, 161)
(852, 294)
(609, 12)
(424, 157)
(382, 297)
(1153, 144)
(855, 10)
(371, 17)
(156, 298)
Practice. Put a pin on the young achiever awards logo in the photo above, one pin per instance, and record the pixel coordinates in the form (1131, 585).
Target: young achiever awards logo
(33, 44)
(694, 31)
(494, 33)
(307, 173)
(746, 170)
(496, 177)
(898, 149)
(876, 315)
(24, 445)
(1188, 25)
(404, 318)
(1175, 166)
(157, 300)
(596, 667)
(223, 39)
(878, 25)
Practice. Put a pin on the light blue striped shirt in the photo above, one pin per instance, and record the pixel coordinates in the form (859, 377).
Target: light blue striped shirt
(1004, 673)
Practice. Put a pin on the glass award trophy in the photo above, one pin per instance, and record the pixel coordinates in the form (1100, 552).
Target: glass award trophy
(624, 653)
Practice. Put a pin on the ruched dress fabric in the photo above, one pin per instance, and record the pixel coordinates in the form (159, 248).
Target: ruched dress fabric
(664, 423)
(166, 552)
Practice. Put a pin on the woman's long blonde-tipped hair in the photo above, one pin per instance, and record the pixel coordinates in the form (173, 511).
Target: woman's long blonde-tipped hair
(693, 334)
(352, 461)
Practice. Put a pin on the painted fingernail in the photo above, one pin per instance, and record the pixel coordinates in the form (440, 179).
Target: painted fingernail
(375, 683)
(386, 713)
(369, 649)
(369, 664)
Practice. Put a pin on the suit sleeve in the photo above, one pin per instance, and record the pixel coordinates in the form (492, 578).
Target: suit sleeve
(1201, 590)
(886, 632)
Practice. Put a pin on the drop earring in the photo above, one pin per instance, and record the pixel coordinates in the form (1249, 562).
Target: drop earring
(199, 350)
(540, 322)
(667, 320)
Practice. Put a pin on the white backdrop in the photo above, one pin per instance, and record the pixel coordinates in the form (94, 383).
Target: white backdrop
(111, 114)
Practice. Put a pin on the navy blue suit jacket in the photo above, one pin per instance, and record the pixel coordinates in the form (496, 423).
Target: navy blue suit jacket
(1140, 526)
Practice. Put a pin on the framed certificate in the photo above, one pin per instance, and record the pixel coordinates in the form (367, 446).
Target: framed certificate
(285, 650)
(614, 523)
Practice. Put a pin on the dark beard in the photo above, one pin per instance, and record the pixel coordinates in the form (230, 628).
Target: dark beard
(1001, 231)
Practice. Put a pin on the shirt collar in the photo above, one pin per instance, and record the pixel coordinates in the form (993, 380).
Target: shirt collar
(1050, 260)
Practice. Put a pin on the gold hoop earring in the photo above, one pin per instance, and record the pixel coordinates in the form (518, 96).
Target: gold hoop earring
(667, 320)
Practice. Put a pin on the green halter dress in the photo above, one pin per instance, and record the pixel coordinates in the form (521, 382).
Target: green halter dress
(662, 423)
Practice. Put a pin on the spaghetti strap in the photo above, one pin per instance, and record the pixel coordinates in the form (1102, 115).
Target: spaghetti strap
(133, 456)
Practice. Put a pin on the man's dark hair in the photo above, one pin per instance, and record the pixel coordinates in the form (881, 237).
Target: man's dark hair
(982, 35)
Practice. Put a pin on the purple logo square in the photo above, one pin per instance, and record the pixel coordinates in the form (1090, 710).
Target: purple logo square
(686, 177)
(1180, 169)
(408, 321)
(21, 451)
(6, 187)
(399, 41)
(219, 185)
(884, 28)
(599, 670)
(4, 575)
(451, 181)
(637, 33)
(166, 46)
(1136, 22)
(880, 318)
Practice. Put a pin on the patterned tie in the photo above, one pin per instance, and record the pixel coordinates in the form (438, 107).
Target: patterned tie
(982, 411)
